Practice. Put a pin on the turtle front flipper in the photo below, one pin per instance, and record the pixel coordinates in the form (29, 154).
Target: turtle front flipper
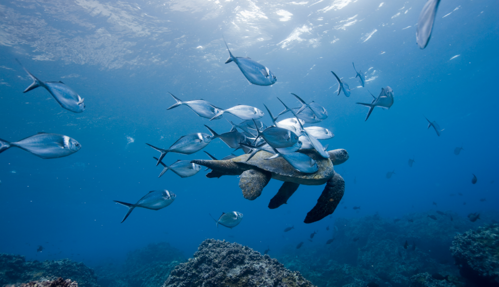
(284, 193)
(329, 199)
(253, 181)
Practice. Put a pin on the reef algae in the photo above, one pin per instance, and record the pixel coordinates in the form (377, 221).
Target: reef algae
(220, 263)
(14, 269)
(476, 252)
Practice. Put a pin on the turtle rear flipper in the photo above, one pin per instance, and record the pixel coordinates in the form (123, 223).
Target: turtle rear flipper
(284, 193)
(329, 199)
(253, 181)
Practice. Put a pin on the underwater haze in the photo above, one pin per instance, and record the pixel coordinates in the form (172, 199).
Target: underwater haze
(123, 58)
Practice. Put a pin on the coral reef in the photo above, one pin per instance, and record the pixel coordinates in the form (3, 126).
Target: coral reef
(427, 280)
(146, 267)
(373, 249)
(59, 282)
(477, 254)
(220, 263)
(15, 269)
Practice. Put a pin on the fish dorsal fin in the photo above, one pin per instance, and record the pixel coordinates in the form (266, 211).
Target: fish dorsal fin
(223, 213)
(212, 157)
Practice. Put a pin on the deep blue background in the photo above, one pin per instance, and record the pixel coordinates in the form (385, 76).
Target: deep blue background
(66, 205)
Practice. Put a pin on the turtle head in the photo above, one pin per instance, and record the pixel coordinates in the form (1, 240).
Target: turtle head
(338, 156)
(220, 167)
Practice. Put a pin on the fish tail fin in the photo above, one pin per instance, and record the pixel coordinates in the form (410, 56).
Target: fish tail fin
(339, 82)
(165, 169)
(214, 134)
(429, 123)
(304, 105)
(36, 83)
(178, 102)
(162, 151)
(4, 145)
(371, 108)
(219, 114)
(130, 208)
(270, 114)
(212, 157)
(258, 132)
(231, 57)
(214, 219)
(354, 69)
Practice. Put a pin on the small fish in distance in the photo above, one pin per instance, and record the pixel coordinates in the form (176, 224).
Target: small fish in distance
(390, 174)
(202, 108)
(360, 75)
(384, 100)
(313, 234)
(458, 150)
(299, 245)
(474, 216)
(342, 86)
(406, 244)
(432, 217)
(411, 162)
(435, 126)
(154, 200)
(266, 251)
(474, 179)
(254, 72)
(289, 228)
(183, 168)
(40, 248)
(330, 241)
(243, 112)
(425, 23)
(63, 94)
(229, 219)
(45, 145)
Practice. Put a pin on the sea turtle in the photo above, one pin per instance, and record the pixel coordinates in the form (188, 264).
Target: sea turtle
(256, 173)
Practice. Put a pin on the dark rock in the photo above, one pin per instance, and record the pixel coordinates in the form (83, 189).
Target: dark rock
(220, 263)
(476, 252)
(59, 282)
(427, 280)
(14, 269)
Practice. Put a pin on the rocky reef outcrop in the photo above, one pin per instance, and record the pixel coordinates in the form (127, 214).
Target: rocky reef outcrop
(476, 252)
(427, 280)
(220, 263)
(146, 267)
(59, 282)
(14, 269)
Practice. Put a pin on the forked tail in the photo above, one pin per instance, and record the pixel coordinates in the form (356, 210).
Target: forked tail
(130, 208)
(4, 145)
(36, 83)
(178, 102)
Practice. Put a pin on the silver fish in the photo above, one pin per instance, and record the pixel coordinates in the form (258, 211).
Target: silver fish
(45, 145)
(341, 86)
(317, 109)
(154, 200)
(63, 94)
(384, 100)
(319, 133)
(425, 23)
(249, 128)
(306, 115)
(289, 123)
(256, 73)
(243, 112)
(299, 161)
(202, 108)
(435, 126)
(317, 145)
(360, 75)
(458, 150)
(306, 144)
(232, 139)
(229, 219)
(278, 137)
(183, 168)
(188, 144)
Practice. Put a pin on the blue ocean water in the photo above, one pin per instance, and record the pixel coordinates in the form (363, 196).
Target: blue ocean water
(124, 58)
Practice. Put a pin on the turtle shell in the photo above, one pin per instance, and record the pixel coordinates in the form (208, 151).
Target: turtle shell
(282, 170)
